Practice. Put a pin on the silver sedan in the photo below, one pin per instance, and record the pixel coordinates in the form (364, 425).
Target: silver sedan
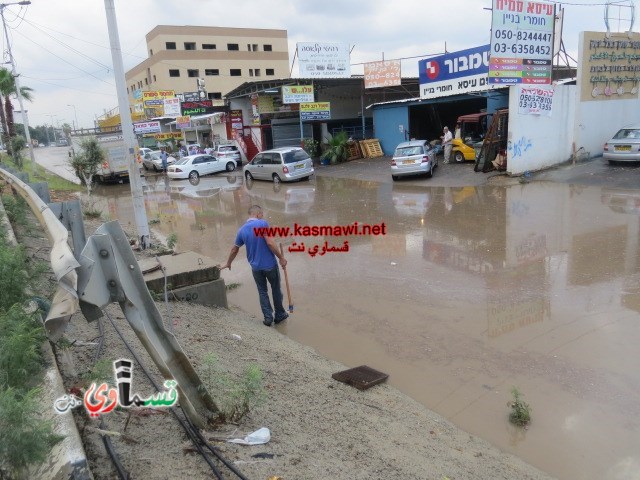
(624, 146)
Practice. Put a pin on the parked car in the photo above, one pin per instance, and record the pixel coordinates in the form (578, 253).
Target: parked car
(193, 166)
(413, 158)
(624, 146)
(284, 164)
(153, 161)
(227, 152)
(144, 150)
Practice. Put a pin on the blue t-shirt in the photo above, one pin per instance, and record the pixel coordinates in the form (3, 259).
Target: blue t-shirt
(258, 253)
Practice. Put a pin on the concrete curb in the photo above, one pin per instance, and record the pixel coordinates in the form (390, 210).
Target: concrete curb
(67, 459)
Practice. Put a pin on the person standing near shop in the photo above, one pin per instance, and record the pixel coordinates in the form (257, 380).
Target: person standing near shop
(261, 254)
(163, 157)
(447, 138)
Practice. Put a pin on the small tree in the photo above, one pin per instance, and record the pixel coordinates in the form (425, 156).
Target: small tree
(85, 162)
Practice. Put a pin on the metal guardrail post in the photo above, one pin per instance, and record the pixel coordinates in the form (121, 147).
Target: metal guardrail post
(63, 263)
(109, 272)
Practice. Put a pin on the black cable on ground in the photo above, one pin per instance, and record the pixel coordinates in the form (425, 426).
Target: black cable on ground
(122, 473)
(191, 430)
(108, 444)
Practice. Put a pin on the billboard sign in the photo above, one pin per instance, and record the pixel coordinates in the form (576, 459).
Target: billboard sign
(171, 107)
(323, 60)
(297, 93)
(199, 107)
(382, 74)
(155, 97)
(455, 73)
(315, 111)
(521, 42)
(183, 122)
(146, 127)
(191, 96)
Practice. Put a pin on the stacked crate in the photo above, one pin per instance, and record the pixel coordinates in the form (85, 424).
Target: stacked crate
(353, 151)
(371, 148)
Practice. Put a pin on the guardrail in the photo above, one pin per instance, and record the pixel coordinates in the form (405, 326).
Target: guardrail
(63, 263)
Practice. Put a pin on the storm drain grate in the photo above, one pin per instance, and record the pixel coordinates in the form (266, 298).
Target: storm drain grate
(361, 377)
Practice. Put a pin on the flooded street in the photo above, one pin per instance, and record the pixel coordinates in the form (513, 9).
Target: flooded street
(473, 290)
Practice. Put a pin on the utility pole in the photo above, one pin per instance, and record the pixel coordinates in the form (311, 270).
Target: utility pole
(25, 121)
(128, 136)
(75, 114)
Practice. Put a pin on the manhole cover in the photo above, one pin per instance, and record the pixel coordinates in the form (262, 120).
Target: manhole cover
(362, 377)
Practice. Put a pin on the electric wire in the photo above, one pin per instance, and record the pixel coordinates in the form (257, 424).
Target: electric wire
(192, 431)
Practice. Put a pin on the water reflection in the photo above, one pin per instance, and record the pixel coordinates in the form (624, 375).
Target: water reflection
(472, 290)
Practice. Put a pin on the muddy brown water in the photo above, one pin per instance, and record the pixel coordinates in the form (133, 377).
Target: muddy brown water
(471, 291)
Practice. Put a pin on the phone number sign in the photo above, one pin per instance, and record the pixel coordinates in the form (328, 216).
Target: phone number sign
(521, 42)
(382, 74)
(535, 100)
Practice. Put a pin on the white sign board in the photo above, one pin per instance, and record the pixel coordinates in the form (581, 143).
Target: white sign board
(324, 60)
(535, 100)
(146, 127)
(172, 107)
(297, 94)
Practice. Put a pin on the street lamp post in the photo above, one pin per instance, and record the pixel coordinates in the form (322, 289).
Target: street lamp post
(75, 114)
(25, 121)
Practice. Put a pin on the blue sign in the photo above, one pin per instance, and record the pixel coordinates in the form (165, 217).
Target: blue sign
(455, 73)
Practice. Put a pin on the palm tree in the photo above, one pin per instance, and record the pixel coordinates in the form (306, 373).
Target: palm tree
(7, 89)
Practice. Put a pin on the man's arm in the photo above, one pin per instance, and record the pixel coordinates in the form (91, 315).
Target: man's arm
(232, 255)
(271, 243)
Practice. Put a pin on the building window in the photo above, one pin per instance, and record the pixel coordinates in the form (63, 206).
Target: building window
(214, 95)
(151, 53)
(171, 45)
(174, 73)
(235, 72)
(208, 46)
(154, 79)
(232, 46)
(146, 82)
(193, 73)
(211, 71)
(267, 48)
(270, 72)
(257, 72)
(189, 45)
(251, 72)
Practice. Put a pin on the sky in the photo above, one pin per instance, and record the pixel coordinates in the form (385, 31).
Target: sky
(61, 47)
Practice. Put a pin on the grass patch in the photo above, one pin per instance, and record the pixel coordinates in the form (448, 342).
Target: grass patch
(37, 173)
(520, 410)
(235, 397)
(172, 240)
(100, 372)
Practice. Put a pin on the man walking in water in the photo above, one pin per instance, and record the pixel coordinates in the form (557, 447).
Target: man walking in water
(261, 254)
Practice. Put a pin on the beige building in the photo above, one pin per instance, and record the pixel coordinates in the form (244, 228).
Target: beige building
(223, 57)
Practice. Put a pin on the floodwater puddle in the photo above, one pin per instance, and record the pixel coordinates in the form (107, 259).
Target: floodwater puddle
(469, 292)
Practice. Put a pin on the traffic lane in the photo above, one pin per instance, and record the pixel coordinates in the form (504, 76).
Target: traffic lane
(596, 171)
(56, 160)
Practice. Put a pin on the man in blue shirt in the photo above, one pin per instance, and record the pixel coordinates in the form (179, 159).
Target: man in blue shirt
(163, 157)
(261, 254)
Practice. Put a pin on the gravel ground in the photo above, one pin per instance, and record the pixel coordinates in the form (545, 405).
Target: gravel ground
(320, 428)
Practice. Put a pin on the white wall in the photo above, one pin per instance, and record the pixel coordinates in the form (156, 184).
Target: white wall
(596, 122)
(537, 141)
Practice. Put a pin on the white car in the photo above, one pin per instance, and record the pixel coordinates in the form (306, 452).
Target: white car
(194, 166)
(153, 161)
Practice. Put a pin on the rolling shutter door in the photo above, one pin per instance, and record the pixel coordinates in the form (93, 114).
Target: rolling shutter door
(288, 135)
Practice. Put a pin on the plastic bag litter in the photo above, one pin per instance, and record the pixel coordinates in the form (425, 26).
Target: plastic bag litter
(260, 436)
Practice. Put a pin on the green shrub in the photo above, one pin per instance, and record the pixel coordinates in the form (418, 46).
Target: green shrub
(14, 276)
(21, 335)
(24, 437)
(234, 397)
(16, 208)
(520, 410)
(172, 239)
